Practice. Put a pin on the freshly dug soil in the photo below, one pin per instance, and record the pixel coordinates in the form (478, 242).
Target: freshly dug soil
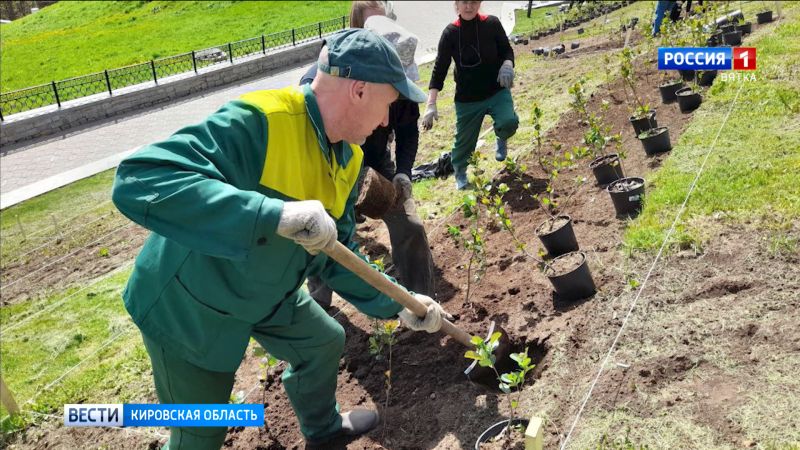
(624, 185)
(552, 225)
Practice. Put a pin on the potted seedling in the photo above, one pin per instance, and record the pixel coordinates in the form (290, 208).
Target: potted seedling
(570, 276)
(764, 14)
(644, 117)
(732, 38)
(745, 27)
(510, 432)
(669, 84)
(556, 232)
(605, 166)
(627, 195)
(690, 98)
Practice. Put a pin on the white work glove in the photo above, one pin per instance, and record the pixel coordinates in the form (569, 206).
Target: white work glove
(506, 75)
(432, 321)
(307, 223)
(402, 185)
(431, 114)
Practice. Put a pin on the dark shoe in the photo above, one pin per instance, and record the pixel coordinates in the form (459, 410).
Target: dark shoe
(501, 149)
(354, 423)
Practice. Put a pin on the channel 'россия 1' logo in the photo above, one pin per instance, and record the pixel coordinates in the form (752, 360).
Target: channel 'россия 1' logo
(707, 58)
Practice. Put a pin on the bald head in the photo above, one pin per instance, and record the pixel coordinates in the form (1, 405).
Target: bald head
(351, 109)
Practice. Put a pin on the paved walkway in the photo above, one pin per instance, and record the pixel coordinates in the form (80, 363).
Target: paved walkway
(38, 169)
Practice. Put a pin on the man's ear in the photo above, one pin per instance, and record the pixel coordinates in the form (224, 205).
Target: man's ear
(358, 90)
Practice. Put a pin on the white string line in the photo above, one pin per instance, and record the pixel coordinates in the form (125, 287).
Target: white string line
(7, 285)
(60, 302)
(66, 234)
(43, 229)
(71, 369)
(650, 271)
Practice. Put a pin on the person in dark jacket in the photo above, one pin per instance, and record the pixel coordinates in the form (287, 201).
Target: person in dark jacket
(484, 74)
(411, 252)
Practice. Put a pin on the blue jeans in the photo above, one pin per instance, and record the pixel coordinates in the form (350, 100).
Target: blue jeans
(661, 10)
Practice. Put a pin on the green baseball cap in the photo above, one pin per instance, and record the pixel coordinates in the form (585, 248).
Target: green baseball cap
(362, 55)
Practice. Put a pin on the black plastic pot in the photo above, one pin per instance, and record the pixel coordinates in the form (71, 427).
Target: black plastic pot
(728, 28)
(733, 38)
(559, 241)
(574, 285)
(580, 30)
(627, 203)
(496, 429)
(745, 28)
(688, 100)
(707, 77)
(607, 169)
(715, 39)
(643, 123)
(669, 89)
(687, 75)
(559, 49)
(574, 45)
(657, 141)
(764, 17)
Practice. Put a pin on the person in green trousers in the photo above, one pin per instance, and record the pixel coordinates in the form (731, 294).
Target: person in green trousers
(484, 74)
(240, 207)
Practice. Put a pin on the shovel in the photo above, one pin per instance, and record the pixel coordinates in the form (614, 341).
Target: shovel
(348, 259)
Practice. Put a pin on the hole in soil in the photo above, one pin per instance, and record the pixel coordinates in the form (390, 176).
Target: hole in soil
(536, 351)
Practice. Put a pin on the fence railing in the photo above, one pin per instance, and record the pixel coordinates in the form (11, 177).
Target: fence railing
(110, 80)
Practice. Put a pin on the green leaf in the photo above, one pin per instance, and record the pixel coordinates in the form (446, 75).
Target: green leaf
(471, 355)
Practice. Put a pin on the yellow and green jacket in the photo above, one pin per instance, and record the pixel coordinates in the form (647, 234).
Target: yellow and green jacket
(212, 195)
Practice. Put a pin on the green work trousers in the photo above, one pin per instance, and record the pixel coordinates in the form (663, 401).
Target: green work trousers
(469, 117)
(312, 345)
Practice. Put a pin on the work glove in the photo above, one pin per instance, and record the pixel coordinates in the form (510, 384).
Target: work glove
(402, 185)
(431, 114)
(432, 321)
(506, 75)
(307, 223)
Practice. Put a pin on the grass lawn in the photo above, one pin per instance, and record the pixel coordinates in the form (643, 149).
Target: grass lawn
(539, 19)
(69, 39)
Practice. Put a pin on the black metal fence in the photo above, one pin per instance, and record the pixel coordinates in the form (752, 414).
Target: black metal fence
(107, 81)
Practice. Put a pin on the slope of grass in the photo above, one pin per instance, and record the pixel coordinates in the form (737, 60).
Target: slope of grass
(35, 221)
(540, 18)
(70, 39)
(87, 347)
(751, 176)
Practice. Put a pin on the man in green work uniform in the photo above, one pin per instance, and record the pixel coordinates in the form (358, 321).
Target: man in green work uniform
(240, 206)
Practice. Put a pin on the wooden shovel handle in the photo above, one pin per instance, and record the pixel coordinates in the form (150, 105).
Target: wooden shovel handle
(348, 259)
